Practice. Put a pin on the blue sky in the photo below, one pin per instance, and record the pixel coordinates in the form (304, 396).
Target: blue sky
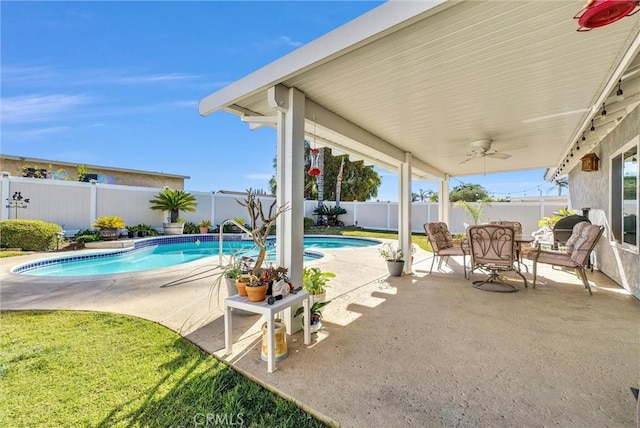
(117, 84)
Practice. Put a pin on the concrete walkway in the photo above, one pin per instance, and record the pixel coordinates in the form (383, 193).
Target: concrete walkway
(419, 350)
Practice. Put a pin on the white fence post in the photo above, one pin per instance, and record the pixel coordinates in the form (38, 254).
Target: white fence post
(4, 195)
(93, 202)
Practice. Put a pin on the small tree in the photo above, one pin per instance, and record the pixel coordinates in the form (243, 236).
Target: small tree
(260, 223)
(174, 201)
(473, 209)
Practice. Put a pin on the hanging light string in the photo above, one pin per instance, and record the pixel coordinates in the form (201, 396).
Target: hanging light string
(535, 187)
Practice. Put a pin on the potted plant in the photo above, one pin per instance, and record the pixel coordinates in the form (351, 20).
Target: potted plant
(204, 226)
(316, 315)
(174, 201)
(132, 231)
(234, 227)
(242, 281)
(109, 226)
(261, 224)
(257, 289)
(315, 282)
(394, 257)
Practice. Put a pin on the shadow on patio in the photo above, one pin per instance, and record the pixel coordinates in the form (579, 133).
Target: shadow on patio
(430, 350)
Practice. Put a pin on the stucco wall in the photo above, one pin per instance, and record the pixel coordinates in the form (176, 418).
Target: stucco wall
(124, 178)
(591, 189)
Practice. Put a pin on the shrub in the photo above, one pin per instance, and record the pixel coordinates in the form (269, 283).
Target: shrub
(30, 235)
(109, 222)
(190, 228)
(309, 222)
(87, 235)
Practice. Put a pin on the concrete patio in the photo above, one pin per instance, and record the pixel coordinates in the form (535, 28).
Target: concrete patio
(419, 350)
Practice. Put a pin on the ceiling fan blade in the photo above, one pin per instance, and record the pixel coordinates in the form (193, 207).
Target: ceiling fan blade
(467, 159)
(498, 155)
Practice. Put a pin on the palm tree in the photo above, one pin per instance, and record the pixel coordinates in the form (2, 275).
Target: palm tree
(174, 201)
(561, 183)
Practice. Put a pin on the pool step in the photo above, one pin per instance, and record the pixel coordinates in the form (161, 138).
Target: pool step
(121, 243)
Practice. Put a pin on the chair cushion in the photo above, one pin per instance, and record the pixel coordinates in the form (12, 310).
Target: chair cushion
(453, 251)
(439, 236)
(575, 234)
(559, 258)
(589, 234)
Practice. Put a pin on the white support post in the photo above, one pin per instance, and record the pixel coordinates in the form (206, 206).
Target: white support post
(443, 198)
(404, 211)
(290, 105)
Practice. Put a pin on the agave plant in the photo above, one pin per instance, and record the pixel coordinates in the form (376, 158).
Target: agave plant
(174, 201)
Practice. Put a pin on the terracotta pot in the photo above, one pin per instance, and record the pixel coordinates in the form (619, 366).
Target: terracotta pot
(242, 288)
(204, 229)
(257, 294)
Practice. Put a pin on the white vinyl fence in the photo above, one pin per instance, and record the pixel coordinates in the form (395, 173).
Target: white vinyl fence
(75, 206)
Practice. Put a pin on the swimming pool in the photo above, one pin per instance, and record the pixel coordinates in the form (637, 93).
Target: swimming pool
(160, 252)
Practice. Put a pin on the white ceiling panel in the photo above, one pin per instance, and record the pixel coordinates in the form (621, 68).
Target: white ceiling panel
(516, 72)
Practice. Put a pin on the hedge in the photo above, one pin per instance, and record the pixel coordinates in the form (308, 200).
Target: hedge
(30, 235)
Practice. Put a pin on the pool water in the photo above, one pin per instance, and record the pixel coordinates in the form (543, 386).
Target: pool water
(161, 255)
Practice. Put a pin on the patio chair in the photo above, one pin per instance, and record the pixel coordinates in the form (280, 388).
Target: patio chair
(493, 251)
(442, 244)
(517, 229)
(576, 253)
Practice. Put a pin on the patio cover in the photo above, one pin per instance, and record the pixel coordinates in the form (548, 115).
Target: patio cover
(408, 85)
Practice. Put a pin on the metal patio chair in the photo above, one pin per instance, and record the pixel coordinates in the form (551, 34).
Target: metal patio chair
(576, 253)
(442, 244)
(493, 252)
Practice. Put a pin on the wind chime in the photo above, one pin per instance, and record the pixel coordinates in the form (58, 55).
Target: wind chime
(314, 170)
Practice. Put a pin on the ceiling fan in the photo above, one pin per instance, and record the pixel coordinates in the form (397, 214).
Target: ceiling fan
(482, 149)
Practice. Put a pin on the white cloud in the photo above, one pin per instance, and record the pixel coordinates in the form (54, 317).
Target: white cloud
(278, 42)
(152, 78)
(288, 41)
(39, 108)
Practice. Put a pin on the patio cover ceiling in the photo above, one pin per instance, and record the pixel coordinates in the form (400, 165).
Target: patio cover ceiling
(430, 77)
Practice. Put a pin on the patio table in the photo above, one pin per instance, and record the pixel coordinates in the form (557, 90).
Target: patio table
(520, 239)
(269, 311)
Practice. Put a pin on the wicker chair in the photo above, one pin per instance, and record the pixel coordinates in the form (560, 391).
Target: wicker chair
(442, 244)
(575, 254)
(493, 251)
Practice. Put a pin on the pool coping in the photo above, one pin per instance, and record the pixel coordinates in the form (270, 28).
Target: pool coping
(140, 245)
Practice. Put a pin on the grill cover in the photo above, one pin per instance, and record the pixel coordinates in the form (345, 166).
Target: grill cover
(564, 227)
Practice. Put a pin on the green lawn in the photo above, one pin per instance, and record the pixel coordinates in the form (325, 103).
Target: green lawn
(420, 239)
(68, 368)
(10, 253)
